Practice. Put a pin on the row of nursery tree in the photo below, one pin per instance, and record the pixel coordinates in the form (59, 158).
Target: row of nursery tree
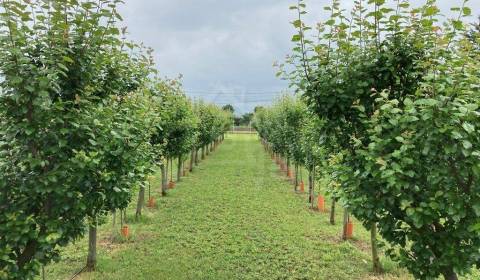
(389, 113)
(84, 121)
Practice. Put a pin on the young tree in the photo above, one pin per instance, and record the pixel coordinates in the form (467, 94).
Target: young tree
(397, 91)
(182, 124)
(56, 60)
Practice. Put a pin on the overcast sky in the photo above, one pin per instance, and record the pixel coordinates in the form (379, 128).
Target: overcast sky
(224, 49)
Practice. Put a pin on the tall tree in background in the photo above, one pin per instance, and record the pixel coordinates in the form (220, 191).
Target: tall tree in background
(229, 108)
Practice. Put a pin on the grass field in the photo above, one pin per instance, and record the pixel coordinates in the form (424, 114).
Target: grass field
(235, 217)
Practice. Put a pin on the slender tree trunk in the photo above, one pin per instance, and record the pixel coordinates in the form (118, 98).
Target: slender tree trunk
(92, 248)
(114, 217)
(121, 218)
(345, 223)
(192, 160)
(377, 266)
(163, 169)
(296, 177)
(196, 157)
(332, 212)
(171, 169)
(167, 168)
(313, 186)
(310, 187)
(288, 166)
(140, 202)
(449, 274)
(179, 168)
(207, 149)
(203, 152)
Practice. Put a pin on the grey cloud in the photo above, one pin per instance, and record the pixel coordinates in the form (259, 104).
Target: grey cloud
(222, 46)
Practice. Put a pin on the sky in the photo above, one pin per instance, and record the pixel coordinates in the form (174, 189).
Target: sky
(224, 49)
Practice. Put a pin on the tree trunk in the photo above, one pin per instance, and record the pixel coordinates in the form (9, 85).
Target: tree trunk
(196, 157)
(310, 188)
(167, 168)
(332, 212)
(203, 152)
(313, 186)
(288, 167)
(164, 179)
(449, 274)
(192, 160)
(140, 202)
(27, 254)
(114, 217)
(377, 266)
(171, 169)
(296, 177)
(345, 223)
(179, 168)
(92, 248)
(121, 218)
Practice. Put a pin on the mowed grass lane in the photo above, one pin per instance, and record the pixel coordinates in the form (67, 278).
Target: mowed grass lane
(235, 217)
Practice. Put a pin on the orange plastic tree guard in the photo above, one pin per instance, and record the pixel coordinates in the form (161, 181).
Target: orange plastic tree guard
(151, 202)
(125, 231)
(171, 184)
(321, 203)
(349, 229)
(302, 187)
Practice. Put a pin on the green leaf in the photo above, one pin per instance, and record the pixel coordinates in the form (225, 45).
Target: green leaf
(468, 127)
(431, 11)
(297, 23)
(68, 59)
(457, 24)
(476, 208)
(296, 38)
(467, 11)
(466, 144)
(92, 142)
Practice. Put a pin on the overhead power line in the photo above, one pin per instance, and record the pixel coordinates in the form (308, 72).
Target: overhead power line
(233, 92)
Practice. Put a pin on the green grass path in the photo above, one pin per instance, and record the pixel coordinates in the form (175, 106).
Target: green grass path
(235, 217)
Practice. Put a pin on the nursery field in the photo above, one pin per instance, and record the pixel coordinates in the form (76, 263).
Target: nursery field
(379, 125)
(235, 217)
